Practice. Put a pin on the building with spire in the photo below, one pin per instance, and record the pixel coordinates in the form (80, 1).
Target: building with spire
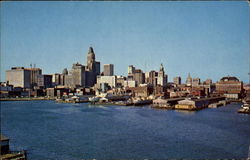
(157, 78)
(83, 76)
(162, 78)
(92, 65)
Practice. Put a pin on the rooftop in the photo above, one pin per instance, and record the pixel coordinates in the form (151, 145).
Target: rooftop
(228, 78)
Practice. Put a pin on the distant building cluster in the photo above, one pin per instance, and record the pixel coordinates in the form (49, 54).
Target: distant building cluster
(88, 79)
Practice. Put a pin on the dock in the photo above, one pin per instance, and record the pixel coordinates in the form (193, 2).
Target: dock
(7, 154)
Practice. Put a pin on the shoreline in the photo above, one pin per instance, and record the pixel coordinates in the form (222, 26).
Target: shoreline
(26, 99)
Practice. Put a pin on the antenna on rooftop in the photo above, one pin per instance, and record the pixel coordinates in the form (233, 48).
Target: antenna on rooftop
(30, 65)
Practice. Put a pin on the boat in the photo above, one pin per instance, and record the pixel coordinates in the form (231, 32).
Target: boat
(93, 100)
(245, 108)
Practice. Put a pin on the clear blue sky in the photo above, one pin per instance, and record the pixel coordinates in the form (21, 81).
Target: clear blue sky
(207, 39)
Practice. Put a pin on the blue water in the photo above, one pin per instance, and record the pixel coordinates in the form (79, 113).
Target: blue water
(49, 130)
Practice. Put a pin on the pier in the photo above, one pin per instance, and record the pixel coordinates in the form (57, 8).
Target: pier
(198, 104)
(7, 154)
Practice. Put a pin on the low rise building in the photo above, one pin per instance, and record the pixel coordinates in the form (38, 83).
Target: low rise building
(104, 81)
(230, 87)
(5, 88)
(143, 91)
(196, 104)
(120, 81)
(178, 93)
(57, 92)
(208, 82)
(129, 83)
(198, 91)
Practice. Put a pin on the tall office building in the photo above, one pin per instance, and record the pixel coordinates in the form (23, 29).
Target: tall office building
(189, 80)
(162, 78)
(177, 80)
(19, 77)
(196, 82)
(151, 78)
(92, 64)
(131, 70)
(139, 76)
(34, 73)
(92, 69)
(83, 76)
(76, 77)
(108, 69)
(44, 81)
(56, 79)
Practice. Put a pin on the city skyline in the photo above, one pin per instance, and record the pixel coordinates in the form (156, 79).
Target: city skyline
(143, 34)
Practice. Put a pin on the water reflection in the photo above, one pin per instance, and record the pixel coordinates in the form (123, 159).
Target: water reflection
(186, 112)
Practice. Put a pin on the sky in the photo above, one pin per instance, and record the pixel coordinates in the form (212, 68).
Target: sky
(206, 39)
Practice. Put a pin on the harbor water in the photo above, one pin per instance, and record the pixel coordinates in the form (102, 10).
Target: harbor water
(49, 130)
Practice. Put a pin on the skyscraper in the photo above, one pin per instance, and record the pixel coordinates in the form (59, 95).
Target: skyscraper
(93, 68)
(151, 77)
(108, 69)
(34, 73)
(44, 81)
(162, 78)
(189, 80)
(19, 77)
(139, 76)
(177, 80)
(131, 70)
(91, 60)
(83, 76)
(196, 82)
